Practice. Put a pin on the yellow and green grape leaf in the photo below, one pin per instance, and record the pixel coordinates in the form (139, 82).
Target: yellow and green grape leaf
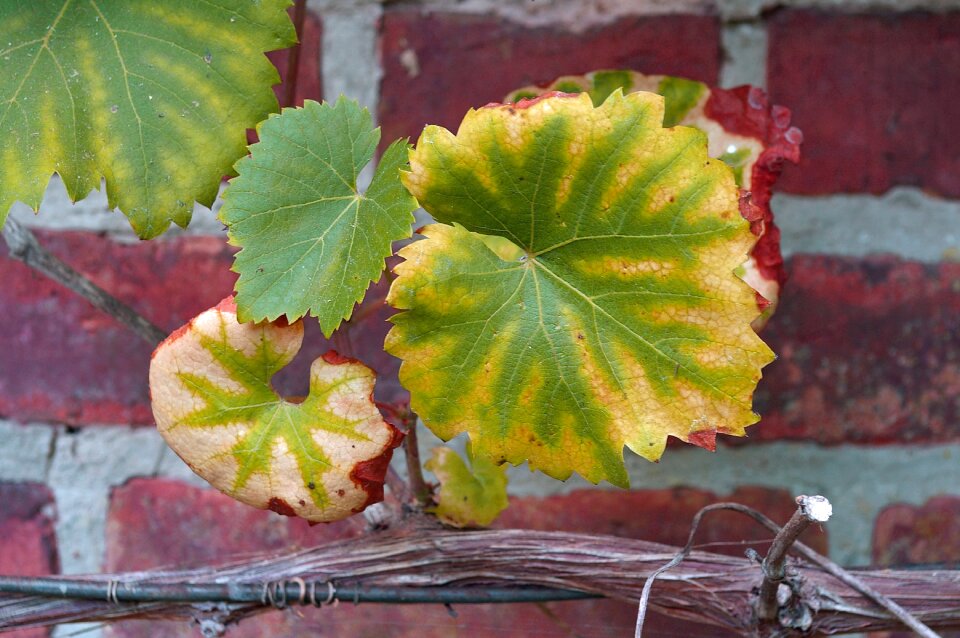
(621, 323)
(743, 130)
(154, 97)
(310, 241)
(322, 458)
(469, 496)
(684, 102)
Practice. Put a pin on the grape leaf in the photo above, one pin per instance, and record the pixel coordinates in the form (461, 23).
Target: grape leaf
(743, 130)
(469, 496)
(310, 241)
(322, 458)
(621, 323)
(155, 97)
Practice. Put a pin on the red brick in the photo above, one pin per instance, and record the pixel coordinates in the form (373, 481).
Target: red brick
(27, 539)
(919, 534)
(661, 516)
(163, 522)
(869, 352)
(877, 97)
(309, 78)
(65, 361)
(438, 65)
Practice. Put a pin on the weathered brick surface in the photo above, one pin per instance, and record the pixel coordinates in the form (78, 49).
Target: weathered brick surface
(164, 522)
(160, 522)
(27, 538)
(869, 352)
(661, 516)
(876, 95)
(309, 78)
(65, 361)
(438, 65)
(919, 534)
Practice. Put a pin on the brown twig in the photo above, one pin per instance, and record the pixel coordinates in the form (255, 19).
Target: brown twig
(678, 558)
(810, 509)
(418, 486)
(23, 246)
(843, 575)
(293, 58)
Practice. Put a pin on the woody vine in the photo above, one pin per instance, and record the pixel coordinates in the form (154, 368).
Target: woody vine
(601, 257)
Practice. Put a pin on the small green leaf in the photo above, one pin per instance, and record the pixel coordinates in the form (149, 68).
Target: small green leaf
(322, 458)
(680, 96)
(155, 97)
(469, 496)
(621, 323)
(311, 242)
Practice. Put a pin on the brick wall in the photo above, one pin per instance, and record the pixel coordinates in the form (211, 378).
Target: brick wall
(863, 404)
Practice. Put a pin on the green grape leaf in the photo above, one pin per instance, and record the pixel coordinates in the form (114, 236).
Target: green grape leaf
(621, 323)
(469, 496)
(322, 458)
(311, 242)
(154, 97)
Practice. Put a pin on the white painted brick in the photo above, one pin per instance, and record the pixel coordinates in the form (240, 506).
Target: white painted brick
(91, 214)
(904, 222)
(86, 465)
(351, 64)
(25, 451)
(745, 54)
(747, 9)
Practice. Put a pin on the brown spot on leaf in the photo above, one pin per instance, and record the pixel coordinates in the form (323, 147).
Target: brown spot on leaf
(335, 358)
(707, 439)
(280, 506)
(369, 475)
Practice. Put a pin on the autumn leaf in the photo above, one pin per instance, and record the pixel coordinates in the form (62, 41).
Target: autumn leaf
(469, 496)
(322, 458)
(621, 321)
(743, 130)
(154, 97)
(311, 242)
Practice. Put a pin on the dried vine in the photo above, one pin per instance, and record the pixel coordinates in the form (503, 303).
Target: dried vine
(707, 588)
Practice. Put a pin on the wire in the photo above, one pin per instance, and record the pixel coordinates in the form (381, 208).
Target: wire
(282, 592)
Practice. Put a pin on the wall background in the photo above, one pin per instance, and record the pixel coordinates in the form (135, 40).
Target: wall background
(862, 406)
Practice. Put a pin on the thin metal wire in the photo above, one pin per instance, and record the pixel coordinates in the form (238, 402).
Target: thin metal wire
(278, 593)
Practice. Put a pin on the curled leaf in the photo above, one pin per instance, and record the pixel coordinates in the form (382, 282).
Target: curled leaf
(620, 323)
(322, 458)
(469, 496)
(743, 130)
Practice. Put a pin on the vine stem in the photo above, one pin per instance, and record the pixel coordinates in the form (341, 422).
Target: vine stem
(810, 509)
(24, 247)
(844, 576)
(293, 59)
(421, 491)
